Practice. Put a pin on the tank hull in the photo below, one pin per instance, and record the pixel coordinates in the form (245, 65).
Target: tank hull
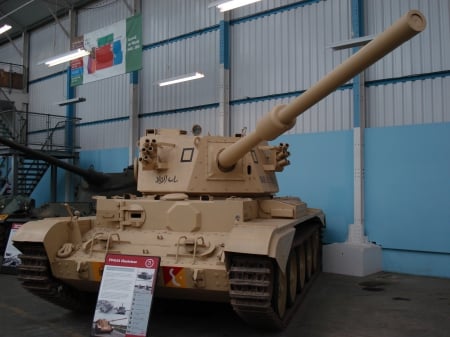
(200, 243)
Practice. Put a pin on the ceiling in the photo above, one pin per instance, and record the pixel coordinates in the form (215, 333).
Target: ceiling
(25, 15)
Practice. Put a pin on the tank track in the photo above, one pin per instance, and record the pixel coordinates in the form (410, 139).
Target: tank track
(253, 281)
(35, 274)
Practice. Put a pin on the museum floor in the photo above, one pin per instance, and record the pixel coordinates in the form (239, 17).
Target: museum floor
(380, 305)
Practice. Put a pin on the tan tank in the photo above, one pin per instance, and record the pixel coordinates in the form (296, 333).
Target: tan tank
(208, 210)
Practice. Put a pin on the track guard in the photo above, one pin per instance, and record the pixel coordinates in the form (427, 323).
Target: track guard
(271, 241)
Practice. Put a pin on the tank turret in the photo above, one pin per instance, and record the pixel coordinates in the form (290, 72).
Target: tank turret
(171, 161)
(209, 211)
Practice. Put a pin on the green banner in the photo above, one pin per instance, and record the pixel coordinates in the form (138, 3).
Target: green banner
(134, 44)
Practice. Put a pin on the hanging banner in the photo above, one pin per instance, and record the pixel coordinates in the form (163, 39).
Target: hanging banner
(114, 50)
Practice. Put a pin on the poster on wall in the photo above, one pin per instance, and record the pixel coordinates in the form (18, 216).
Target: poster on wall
(125, 295)
(114, 50)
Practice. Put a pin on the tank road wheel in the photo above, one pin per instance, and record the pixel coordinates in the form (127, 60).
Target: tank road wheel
(258, 290)
(315, 244)
(261, 294)
(292, 277)
(280, 292)
(301, 258)
(309, 259)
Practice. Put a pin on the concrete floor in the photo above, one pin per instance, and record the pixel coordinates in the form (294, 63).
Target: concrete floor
(381, 305)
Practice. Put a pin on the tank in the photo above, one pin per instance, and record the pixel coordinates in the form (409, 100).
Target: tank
(13, 208)
(209, 209)
(94, 182)
(21, 208)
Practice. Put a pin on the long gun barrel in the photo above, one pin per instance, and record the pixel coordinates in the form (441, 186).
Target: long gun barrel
(282, 118)
(91, 176)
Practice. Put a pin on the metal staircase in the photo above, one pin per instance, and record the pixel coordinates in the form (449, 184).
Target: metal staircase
(5, 105)
(29, 174)
(28, 171)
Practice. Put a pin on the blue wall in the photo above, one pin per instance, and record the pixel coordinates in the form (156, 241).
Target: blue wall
(407, 191)
(408, 197)
(321, 174)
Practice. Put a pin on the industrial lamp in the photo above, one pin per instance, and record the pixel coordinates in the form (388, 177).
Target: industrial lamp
(179, 79)
(69, 56)
(226, 5)
(4, 28)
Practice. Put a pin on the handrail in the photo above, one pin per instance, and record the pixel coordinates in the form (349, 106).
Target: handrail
(18, 123)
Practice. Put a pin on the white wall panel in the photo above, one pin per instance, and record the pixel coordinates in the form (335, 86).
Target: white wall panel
(163, 20)
(105, 99)
(46, 42)
(407, 103)
(9, 54)
(102, 14)
(333, 113)
(206, 118)
(287, 51)
(427, 52)
(104, 135)
(262, 6)
(197, 53)
(43, 95)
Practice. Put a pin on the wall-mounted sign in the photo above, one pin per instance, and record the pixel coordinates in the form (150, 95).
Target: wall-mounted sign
(125, 297)
(114, 50)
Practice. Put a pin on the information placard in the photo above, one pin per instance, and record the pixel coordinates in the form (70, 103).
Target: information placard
(11, 256)
(125, 296)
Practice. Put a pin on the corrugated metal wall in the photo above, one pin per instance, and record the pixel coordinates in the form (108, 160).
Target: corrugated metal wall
(427, 52)
(9, 53)
(105, 100)
(331, 114)
(197, 53)
(46, 42)
(102, 14)
(104, 122)
(110, 135)
(423, 99)
(206, 117)
(277, 49)
(180, 37)
(263, 6)
(287, 51)
(44, 95)
(409, 103)
(171, 18)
